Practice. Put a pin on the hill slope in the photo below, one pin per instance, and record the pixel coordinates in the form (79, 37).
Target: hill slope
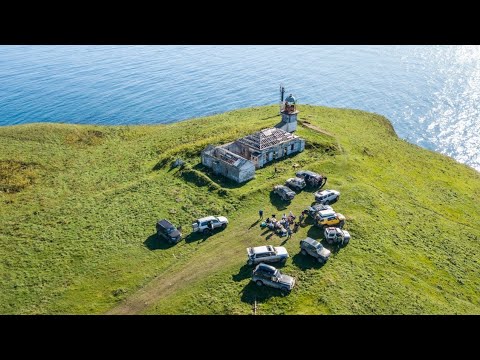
(79, 206)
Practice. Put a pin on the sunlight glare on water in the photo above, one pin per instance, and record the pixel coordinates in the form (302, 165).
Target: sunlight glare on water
(430, 93)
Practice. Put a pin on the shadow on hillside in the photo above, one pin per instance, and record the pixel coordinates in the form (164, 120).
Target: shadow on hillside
(220, 180)
(315, 233)
(155, 242)
(311, 189)
(245, 272)
(277, 202)
(252, 292)
(308, 221)
(265, 232)
(305, 262)
(271, 117)
(254, 224)
(194, 236)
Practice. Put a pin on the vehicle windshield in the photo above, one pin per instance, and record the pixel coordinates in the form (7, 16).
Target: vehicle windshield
(316, 244)
(277, 274)
(173, 228)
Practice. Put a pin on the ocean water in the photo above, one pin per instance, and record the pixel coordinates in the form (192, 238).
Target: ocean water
(430, 93)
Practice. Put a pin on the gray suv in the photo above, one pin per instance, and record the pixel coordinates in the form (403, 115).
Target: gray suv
(267, 253)
(267, 275)
(284, 192)
(314, 248)
(295, 183)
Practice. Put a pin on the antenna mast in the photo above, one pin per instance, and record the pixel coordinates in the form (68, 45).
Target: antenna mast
(282, 94)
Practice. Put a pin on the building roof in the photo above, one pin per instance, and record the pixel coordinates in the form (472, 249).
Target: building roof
(266, 138)
(229, 157)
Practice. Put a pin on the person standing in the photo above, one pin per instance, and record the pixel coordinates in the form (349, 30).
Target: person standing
(260, 213)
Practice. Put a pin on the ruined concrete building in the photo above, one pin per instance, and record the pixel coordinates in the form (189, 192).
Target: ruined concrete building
(239, 159)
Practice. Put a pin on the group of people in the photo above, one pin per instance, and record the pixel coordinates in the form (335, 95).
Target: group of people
(281, 227)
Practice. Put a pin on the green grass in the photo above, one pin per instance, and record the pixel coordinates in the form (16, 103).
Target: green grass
(79, 206)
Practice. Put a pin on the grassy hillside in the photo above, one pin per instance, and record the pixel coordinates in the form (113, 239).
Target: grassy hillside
(79, 206)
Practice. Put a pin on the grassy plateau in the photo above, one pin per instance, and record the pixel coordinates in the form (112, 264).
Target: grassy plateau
(79, 206)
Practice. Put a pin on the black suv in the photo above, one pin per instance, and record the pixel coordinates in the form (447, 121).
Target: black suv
(313, 210)
(168, 231)
(311, 178)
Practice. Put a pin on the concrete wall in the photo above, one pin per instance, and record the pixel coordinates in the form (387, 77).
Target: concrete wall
(289, 122)
(265, 158)
(206, 159)
(246, 172)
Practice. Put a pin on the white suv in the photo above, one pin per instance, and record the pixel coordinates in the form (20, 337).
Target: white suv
(207, 224)
(327, 197)
(334, 235)
(266, 254)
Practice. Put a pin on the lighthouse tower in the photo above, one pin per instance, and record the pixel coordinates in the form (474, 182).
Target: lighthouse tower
(289, 114)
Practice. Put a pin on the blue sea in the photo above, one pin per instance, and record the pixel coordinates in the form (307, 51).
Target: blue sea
(430, 93)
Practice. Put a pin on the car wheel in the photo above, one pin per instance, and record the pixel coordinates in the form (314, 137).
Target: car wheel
(259, 283)
(345, 242)
(327, 202)
(284, 290)
(321, 261)
(250, 262)
(303, 252)
(341, 223)
(224, 226)
(330, 241)
(206, 231)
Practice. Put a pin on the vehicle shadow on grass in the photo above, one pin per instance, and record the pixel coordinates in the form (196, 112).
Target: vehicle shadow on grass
(311, 189)
(252, 292)
(246, 270)
(277, 202)
(155, 242)
(243, 273)
(305, 262)
(308, 221)
(195, 236)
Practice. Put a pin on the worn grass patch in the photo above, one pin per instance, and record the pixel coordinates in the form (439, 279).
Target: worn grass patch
(16, 175)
